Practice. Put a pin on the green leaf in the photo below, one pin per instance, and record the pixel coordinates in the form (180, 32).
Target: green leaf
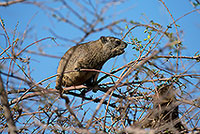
(17, 39)
(169, 26)
(2, 20)
(195, 4)
(132, 22)
(148, 37)
(178, 25)
(136, 39)
(150, 32)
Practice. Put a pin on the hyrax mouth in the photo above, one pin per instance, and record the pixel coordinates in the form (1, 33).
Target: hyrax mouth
(124, 45)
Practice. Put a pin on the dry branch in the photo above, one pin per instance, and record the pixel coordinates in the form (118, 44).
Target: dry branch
(7, 112)
(11, 2)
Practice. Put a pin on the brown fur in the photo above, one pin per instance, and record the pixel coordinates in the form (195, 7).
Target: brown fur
(90, 55)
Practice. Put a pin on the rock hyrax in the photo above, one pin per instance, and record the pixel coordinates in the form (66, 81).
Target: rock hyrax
(90, 55)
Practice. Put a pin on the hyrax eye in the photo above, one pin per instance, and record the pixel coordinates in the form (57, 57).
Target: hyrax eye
(118, 42)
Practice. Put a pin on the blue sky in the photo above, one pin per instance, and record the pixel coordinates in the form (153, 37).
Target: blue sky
(139, 11)
(136, 10)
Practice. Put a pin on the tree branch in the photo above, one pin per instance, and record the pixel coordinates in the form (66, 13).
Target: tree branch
(4, 100)
(10, 2)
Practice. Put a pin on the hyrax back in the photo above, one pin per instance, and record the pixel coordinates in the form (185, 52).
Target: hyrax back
(90, 55)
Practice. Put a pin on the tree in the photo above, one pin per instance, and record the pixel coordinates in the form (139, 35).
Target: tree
(154, 85)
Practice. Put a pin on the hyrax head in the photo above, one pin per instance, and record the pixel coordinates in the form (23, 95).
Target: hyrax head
(113, 46)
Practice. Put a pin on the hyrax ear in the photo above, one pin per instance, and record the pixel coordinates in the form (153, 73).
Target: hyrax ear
(103, 39)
